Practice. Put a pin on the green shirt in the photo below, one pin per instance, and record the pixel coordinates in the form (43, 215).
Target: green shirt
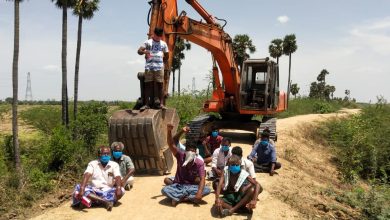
(125, 164)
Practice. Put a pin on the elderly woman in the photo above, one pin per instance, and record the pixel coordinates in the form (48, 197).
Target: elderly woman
(125, 164)
(238, 188)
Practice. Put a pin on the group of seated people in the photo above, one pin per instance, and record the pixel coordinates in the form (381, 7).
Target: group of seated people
(233, 176)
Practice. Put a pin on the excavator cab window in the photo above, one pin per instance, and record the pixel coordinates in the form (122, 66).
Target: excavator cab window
(255, 77)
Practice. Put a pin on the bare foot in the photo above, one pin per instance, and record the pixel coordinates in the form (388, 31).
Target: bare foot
(109, 206)
(174, 203)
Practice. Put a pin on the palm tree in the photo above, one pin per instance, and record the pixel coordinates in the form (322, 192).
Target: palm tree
(294, 90)
(15, 68)
(289, 47)
(85, 10)
(242, 43)
(64, 5)
(321, 77)
(276, 49)
(178, 56)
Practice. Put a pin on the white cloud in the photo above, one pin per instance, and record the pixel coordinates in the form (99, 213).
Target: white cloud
(283, 19)
(372, 36)
(51, 67)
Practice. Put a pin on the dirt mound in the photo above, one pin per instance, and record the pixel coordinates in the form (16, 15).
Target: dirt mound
(298, 192)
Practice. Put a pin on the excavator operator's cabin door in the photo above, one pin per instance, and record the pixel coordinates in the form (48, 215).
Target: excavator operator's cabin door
(254, 85)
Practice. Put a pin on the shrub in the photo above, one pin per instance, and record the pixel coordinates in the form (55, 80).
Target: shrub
(44, 118)
(301, 106)
(90, 123)
(322, 108)
(188, 106)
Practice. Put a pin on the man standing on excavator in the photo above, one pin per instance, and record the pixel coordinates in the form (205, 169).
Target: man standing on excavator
(156, 52)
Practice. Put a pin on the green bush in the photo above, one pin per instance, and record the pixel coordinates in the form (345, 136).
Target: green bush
(188, 106)
(362, 143)
(44, 118)
(322, 108)
(303, 105)
(91, 122)
(39, 180)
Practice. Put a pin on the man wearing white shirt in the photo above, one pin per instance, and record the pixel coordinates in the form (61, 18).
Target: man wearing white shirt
(105, 185)
(219, 160)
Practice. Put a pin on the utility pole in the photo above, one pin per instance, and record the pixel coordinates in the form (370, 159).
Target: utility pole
(29, 96)
(193, 86)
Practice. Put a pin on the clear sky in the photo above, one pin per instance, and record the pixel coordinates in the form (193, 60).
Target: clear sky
(349, 38)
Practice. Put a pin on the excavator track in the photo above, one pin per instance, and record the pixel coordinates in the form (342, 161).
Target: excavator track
(197, 127)
(144, 135)
(269, 122)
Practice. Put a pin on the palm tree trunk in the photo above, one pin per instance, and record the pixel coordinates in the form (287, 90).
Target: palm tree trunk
(277, 60)
(65, 114)
(76, 71)
(289, 83)
(178, 82)
(173, 82)
(15, 66)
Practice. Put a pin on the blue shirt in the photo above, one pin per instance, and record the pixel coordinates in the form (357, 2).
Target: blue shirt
(265, 154)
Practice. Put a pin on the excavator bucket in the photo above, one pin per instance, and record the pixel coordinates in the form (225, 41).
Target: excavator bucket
(144, 135)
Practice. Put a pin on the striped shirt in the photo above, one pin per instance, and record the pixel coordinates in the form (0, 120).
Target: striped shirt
(157, 50)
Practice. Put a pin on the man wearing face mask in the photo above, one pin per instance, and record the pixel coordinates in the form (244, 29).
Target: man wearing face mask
(239, 189)
(211, 143)
(220, 158)
(189, 182)
(105, 187)
(264, 156)
(126, 165)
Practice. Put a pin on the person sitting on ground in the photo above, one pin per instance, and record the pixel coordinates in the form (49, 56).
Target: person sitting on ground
(246, 164)
(105, 187)
(264, 156)
(238, 188)
(126, 165)
(220, 158)
(181, 147)
(272, 142)
(189, 182)
(210, 143)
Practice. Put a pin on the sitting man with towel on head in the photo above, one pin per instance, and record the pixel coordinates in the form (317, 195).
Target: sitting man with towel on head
(189, 182)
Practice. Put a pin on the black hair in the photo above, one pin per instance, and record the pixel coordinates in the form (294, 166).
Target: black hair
(227, 139)
(158, 31)
(190, 145)
(264, 134)
(237, 151)
(214, 128)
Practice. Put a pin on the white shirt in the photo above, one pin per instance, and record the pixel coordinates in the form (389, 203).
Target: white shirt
(157, 49)
(248, 167)
(219, 160)
(103, 177)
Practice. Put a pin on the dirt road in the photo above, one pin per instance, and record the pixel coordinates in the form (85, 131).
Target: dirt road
(293, 194)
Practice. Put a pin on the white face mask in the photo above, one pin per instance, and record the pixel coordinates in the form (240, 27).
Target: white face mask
(190, 156)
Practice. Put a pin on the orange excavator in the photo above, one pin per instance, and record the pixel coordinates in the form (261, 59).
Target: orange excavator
(252, 90)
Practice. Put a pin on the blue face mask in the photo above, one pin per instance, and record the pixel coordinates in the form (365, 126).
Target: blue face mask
(225, 148)
(104, 159)
(264, 143)
(117, 154)
(214, 133)
(235, 169)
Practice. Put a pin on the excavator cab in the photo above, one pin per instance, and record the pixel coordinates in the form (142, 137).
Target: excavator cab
(259, 89)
